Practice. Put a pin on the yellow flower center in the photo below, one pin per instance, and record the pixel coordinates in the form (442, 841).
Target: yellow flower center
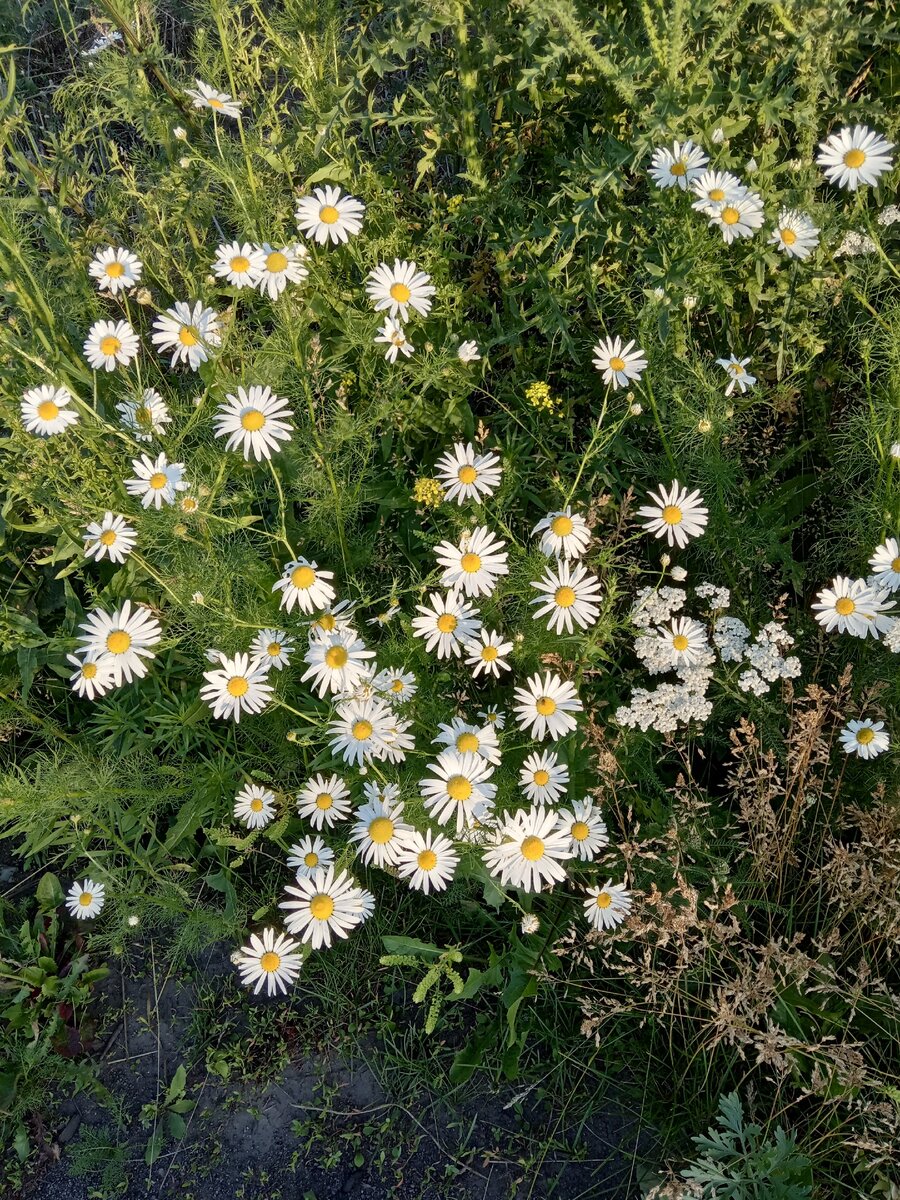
(489, 653)
(679, 168)
(730, 216)
(110, 345)
(467, 743)
(89, 671)
(716, 194)
(788, 237)
(864, 736)
(545, 706)
(189, 504)
(579, 831)
(118, 641)
(321, 906)
(305, 577)
(541, 777)
(328, 214)
(336, 657)
(397, 686)
(48, 411)
(85, 899)
(327, 621)
(427, 860)
(239, 264)
(214, 103)
(273, 649)
(276, 262)
(736, 369)
(895, 565)
(237, 685)
(400, 292)
(324, 801)
(617, 364)
(446, 623)
(362, 730)
(107, 537)
(470, 563)
(562, 526)
(311, 859)
(672, 514)
(845, 606)
(115, 270)
(256, 805)
(143, 415)
(158, 480)
(532, 848)
(459, 788)
(269, 962)
(467, 474)
(188, 335)
(604, 900)
(565, 597)
(680, 642)
(381, 830)
(854, 159)
(253, 419)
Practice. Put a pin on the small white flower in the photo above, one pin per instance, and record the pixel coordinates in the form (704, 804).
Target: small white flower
(85, 899)
(885, 564)
(855, 156)
(867, 739)
(448, 625)
(336, 662)
(303, 584)
(281, 267)
(400, 288)
(378, 828)
(474, 564)
(109, 344)
(254, 421)
(188, 332)
(718, 135)
(145, 418)
(464, 738)
(308, 855)
(395, 685)
(738, 375)
(852, 606)
(714, 189)
(324, 800)
(360, 730)
(205, 96)
(739, 218)
(271, 959)
(543, 778)
(254, 806)
(794, 234)
(489, 655)
(466, 475)
(391, 333)
(157, 481)
(93, 676)
(564, 534)
(111, 537)
(427, 860)
(458, 790)
(676, 514)
(568, 594)
(530, 850)
(607, 906)
(239, 263)
(328, 215)
(272, 648)
(326, 905)
(468, 352)
(545, 706)
(584, 825)
(620, 363)
(236, 686)
(115, 269)
(120, 640)
(45, 412)
(677, 167)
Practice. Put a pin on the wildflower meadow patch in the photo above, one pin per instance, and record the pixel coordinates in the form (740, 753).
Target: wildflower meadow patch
(451, 546)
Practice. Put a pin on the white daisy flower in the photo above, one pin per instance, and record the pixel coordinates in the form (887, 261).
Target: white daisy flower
(489, 655)
(714, 189)
(188, 332)
(328, 215)
(384, 618)
(270, 959)
(110, 343)
(238, 263)
(392, 335)
(676, 514)
(543, 778)
(492, 716)
(546, 705)
(121, 640)
(607, 906)
(400, 288)
(364, 687)
(92, 677)
(570, 593)
(448, 625)
(336, 618)
(465, 475)
(157, 481)
(738, 375)
(45, 412)
(458, 789)
(397, 741)
(382, 793)
(324, 800)
(205, 96)
(238, 685)
(855, 155)
(254, 421)
(395, 685)
(865, 738)
(115, 269)
(474, 564)
(85, 899)
(281, 267)
(885, 564)
(254, 806)
(336, 662)
(619, 361)
(468, 352)
(684, 642)
(585, 828)
(464, 738)
(359, 732)
(378, 828)
(272, 648)
(308, 855)
(145, 418)
(303, 584)
(427, 860)
(739, 218)
(325, 905)
(851, 606)
(794, 234)
(111, 538)
(530, 850)
(564, 534)
(678, 167)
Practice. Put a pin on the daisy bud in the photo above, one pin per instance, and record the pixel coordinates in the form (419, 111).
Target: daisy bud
(184, 162)
(636, 409)
(144, 296)
(718, 135)
(703, 425)
(689, 302)
(179, 133)
(679, 574)
(895, 450)
(751, 165)
(664, 560)
(134, 920)
(197, 598)
(291, 735)
(530, 923)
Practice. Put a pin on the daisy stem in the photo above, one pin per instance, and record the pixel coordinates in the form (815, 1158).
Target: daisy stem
(139, 558)
(281, 511)
(311, 405)
(656, 418)
(296, 712)
(589, 453)
(52, 730)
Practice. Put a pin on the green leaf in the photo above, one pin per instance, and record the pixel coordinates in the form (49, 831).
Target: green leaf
(176, 1087)
(406, 945)
(49, 893)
